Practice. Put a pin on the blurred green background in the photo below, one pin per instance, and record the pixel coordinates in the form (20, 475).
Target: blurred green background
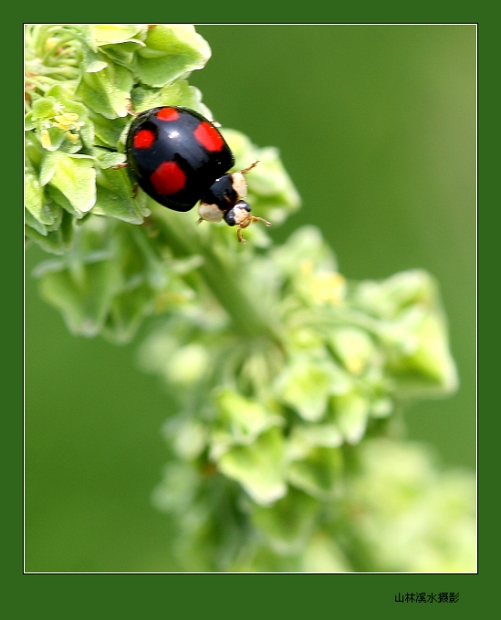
(376, 126)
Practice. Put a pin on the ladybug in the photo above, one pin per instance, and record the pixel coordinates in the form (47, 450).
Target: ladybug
(179, 158)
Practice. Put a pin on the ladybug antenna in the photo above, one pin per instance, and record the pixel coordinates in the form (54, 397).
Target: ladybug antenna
(249, 168)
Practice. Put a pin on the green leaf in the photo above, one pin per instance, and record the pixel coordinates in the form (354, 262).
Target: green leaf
(34, 150)
(432, 355)
(177, 93)
(115, 197)
(58, 241)
(121, 53)
(73, 176)
(55, 136)
(351, 412)
(106, 34)
(239, 421)
(33, 193)
(108, 131)
(287, 524)
(304, 437)
(355, 348)
(389, 297)
(319, 473)
(107, 91)
(83, 293)
(170, 53)
(60, 199)
(46, 107)
(427, 365)
(108, 159)
(306, 384)
(126, 313)
(48, 216)
(29, 123)
(259, 467)
(34, 223)
(94, 61)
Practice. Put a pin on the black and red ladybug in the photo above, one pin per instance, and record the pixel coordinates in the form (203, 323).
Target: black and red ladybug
(179, 158)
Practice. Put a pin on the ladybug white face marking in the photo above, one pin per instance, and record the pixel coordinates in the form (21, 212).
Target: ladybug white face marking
(209, 212)
(239, 184)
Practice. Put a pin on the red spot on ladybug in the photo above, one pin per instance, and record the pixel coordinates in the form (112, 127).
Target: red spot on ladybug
(143, 139)
(209, 137)
(168, 114)
(168, 178)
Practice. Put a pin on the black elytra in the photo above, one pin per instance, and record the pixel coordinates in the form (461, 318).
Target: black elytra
(175, 154)
(179, 158)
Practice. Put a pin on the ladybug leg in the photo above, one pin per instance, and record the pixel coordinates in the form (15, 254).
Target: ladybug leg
(247, 222)
(254, 218)
(240, 236)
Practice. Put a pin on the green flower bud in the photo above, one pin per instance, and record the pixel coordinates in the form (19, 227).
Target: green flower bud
(258, 467)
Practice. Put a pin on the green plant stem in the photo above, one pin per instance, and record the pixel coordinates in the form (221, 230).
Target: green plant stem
(246, 315)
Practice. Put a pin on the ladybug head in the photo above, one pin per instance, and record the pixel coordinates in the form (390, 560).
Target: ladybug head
(241, 217)
(224, 200)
